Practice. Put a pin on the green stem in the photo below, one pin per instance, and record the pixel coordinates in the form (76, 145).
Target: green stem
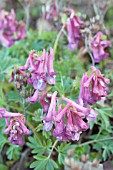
(55, 143)
(96, 140)
(34, 130)
(58, 37)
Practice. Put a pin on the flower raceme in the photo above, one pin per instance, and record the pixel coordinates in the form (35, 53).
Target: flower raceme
(69, 121)
(39, 72)
(93, 88)
(98, 46)
(16, 128)
(10, 29)
(74, 25)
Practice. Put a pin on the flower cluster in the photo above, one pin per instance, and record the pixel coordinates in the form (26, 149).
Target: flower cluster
(93, 87)
(10, 29)
(98, 45)
(74, 25)
(69, 121)
(39, 72)
(16, 128)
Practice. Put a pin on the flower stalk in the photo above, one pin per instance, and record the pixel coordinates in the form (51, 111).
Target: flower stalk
(57, 39)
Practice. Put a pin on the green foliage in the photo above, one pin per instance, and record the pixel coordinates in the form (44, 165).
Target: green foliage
(62, 150)
(43, 163)
(13, 152)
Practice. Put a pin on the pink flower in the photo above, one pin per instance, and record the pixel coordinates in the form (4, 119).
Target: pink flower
(45, 101)
(11, 29)
(74, 25)
(5, 114)
(94, 87)
(68, 121)
(51, 112)
(34, 98)
(15, 126)
(98, 46)
(40, 71)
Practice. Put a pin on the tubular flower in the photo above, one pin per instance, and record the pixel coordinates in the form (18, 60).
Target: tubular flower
(98, 46)
(16, 128)
(45, 101)
(41, 72)
(51, 112)
(68, 121)
(10, 29)
(93, 88)
(74, 25)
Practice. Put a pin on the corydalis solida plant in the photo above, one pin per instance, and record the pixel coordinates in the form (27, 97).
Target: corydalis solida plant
(10, 29)
(16, 128)
(68, 118)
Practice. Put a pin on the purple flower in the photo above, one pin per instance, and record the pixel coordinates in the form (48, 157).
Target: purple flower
(75, 125)
(98, 46)
(29, 65)
(74, 25)
(34, 98)
(45, 101)
(81, 110)
(51, 112)
(59, 130)
(94, 87)
(41, 72)
(10, 29)
(5, 114)
(92, 116)
(69, 121)
(50, 69)
(15, 126)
